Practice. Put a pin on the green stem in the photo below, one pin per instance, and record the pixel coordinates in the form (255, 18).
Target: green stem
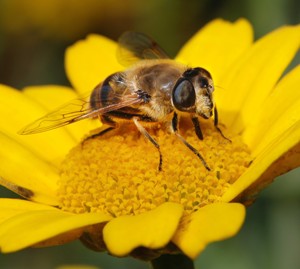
(168, 261)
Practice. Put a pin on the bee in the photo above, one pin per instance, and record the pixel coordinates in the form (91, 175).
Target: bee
(153, 89)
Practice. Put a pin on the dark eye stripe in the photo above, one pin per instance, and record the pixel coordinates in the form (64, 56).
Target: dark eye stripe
(203, 82)
(191, 72)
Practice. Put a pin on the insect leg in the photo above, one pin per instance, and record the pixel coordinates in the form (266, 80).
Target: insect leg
(150, 138)
(174, 127)
(216, 121)
(106, 120)
(102, 132)
(197, 127)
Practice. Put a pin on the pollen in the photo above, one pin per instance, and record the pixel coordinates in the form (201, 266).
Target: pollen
(117, 173)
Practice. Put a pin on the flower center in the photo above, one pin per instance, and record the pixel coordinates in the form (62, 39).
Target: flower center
(117, 173)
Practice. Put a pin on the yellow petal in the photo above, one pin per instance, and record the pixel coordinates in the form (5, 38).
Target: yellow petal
(251, 80)
(90, 61)
(16, 111)
(217, 46)
(272, 151)
(287, 162)
(52, 97)
(25, 173)
(210, 223)
(153, 229)
(280, 101)
(13, 207)
(288, 119)
(34, 226)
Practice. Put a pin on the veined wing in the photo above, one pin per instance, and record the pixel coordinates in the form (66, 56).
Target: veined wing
(76, 110)
(135, 46)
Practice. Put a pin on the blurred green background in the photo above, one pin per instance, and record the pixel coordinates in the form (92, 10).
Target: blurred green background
(33, 37)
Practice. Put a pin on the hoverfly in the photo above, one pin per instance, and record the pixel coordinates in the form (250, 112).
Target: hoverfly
(154, 89)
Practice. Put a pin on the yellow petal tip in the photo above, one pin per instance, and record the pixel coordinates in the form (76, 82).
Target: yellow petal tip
(152, 229)
(211, 223)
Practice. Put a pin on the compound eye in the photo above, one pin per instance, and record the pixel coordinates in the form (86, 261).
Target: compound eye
(184, 96)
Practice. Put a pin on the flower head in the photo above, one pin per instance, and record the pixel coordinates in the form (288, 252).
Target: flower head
(107, 191)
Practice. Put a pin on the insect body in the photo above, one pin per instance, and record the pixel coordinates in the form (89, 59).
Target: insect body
(154, 89)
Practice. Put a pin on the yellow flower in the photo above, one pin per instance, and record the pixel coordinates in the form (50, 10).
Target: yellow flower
(108, 193)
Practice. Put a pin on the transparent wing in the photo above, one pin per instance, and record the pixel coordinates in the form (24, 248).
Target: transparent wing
(76, 110)
(134, 46)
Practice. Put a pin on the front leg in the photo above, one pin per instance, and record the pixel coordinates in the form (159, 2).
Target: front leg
(216, 122)
(196, 124)
(174, 126)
